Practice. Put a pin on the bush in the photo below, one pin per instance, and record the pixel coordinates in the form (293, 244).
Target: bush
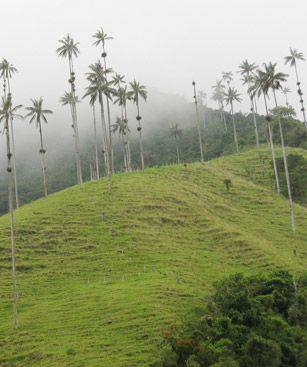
(256, 321)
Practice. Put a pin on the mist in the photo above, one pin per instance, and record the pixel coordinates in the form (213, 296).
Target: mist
(163, 44)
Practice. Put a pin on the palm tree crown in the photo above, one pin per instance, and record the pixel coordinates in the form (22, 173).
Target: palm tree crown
(68, 47)
(246, 68)
(98, 83)
(101, 38)
(120, 126)
(137, 90)
(7, 111)
(122, 96)
(271, 78)
(7, 69)
(69, 98)
(293, 57)
(118, 79)
(232, 95)
(218, 91)
(36, 111)
(227, 76)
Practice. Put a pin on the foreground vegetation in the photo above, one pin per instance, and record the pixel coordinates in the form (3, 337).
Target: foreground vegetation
(250, 321)
(101, 275)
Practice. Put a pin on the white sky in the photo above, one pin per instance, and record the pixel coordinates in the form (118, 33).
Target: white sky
(164, 44)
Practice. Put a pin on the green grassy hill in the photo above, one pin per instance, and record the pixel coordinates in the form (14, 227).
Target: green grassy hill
(100, 275)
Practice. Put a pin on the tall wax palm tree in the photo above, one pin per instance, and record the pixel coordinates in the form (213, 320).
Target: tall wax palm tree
(176, 132)
(121, 127)
(6, 72)
(6, 113)
(137, 92)
(247, 69)
(260, 87)
(292, 59)
(101, 38)
(37, 113)
(285, 91)
(227, 77)
(198, 123)
(274, 80)
(218, 96)
(98, 88)
(69, 49)
(232, 96)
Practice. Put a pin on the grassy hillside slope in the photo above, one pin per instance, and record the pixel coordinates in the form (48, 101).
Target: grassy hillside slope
(101, 275)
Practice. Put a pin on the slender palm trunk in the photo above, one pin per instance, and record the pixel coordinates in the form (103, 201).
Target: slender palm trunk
(299, 91)
(140, 136)
(234, 128)
(122, 138)
(128, 139)
(125, 141)
(284, 155)
(96, 143)
(42, 153)
(108, 112)
(272, 147)
(256, 106)
(198, 126)
(223, 117)
(14, 164)
(252, 100)
(104, 138)
(13, 144)
(253, 107)
(12, 232)
(255, 124)
(75, 126)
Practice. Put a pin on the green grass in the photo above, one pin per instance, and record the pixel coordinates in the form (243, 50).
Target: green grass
(100, 275)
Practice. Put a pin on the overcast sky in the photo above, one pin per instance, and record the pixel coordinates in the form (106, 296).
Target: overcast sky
(164, 44)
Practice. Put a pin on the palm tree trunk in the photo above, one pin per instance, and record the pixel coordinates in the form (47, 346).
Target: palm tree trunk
(13, 143)
(284, 155)
(272, 147)
(96, 143)
(75, 125)
(42, 152)
(234, 129)
(77, 143)
(12, 232)
(223, 117)
(14, 165)
(104, 138)
(122, 138)
(128, 139)
(300, 94)
(108, 113)
(141, 137)
(255, 120)
(198, 126)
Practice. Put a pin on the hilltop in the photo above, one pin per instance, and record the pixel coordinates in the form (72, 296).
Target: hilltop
(101, 275)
